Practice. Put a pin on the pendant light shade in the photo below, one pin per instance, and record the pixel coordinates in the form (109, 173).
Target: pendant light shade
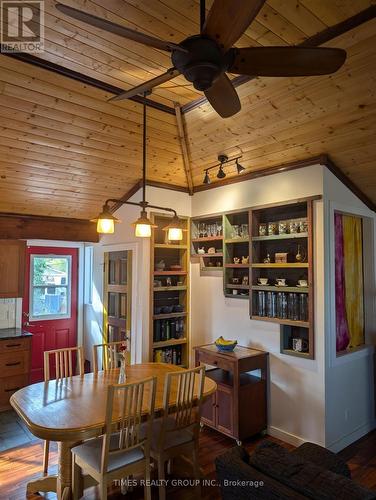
(174, 229)
(143, 226)
(105, 221)
(239, 167)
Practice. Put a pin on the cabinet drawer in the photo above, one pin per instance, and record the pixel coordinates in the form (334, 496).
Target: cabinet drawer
(16, 344)
(10, 385)
(14, 363)
(213, 360)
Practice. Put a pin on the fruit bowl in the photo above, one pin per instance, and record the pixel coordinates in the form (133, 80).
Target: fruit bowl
(225, 345)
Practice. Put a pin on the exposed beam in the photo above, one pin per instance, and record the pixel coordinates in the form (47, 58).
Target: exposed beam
(31, 227)
(313, 41)
(184, 147)
(88, 80)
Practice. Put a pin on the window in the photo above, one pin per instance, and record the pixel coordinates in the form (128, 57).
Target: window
(50, 287)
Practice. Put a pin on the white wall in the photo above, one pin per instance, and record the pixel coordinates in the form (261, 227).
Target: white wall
(123, 239)
(296, 399)
(349, 380)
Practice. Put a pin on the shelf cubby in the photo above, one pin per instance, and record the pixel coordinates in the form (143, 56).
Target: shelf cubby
(207, 233)
(169, 333)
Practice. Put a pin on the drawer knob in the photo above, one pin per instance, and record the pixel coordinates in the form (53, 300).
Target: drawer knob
(13, 364)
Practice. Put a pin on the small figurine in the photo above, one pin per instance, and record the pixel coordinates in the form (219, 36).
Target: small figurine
(300, 256)
(211, 250)
(160, 266)
(236, 260)
(245, 260)
(201, 250)
(267, 259)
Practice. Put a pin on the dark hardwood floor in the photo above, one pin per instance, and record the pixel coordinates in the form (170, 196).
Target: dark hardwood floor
(20, 465)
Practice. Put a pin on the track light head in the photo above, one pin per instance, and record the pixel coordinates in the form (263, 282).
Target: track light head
(207, 178)
(221, 173)
(239, 167)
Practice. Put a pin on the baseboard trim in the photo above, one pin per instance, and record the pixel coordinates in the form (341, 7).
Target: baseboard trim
(353, 436)
(287, 437)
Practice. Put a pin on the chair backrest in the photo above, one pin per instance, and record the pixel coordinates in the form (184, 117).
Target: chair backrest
(126, 407)
(110, 355)
(182, 400)
(65, 363)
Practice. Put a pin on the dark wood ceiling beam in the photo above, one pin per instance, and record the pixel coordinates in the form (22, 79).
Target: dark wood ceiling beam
(88, 80)
(313, 41)
(37, 227)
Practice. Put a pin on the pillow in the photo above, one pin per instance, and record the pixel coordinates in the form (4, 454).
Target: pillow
(323, 458)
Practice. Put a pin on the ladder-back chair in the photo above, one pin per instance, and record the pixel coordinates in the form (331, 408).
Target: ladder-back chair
(110, 355)
(65, 366)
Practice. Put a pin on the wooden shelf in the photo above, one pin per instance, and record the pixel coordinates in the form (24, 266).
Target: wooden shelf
(238, 287)
(217, 254)
(244, 266)
(167, 245)
(169, 288)
(280, 321)
(170, 315)
(237, 296)
(168, 343)
(211, 268)
(274, 288)
(291, 352)
(280, 237)
(236, 240)
(207, 238)
(169, 273)
(287, 265)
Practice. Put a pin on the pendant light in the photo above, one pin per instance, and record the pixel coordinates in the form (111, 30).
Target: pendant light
(143, 225)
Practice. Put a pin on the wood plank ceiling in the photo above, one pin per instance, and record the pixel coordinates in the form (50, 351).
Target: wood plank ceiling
(64, 149)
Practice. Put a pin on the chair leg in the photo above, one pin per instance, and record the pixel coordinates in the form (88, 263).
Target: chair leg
(103, 489)
(76, 480)
(196, 471)
(161, 477)
(147, 487)
(46, 451)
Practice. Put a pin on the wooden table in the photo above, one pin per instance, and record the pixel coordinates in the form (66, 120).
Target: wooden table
(72, 409)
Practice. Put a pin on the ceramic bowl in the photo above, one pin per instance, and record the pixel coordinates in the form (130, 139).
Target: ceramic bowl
(226, 347)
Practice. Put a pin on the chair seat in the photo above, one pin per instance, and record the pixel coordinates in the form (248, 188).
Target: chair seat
(172, 438)
(91, 453)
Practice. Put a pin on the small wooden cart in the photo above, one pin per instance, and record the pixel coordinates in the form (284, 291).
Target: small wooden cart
(238, 407)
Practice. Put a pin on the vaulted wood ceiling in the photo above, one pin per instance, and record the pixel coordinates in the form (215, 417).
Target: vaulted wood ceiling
(64, 149)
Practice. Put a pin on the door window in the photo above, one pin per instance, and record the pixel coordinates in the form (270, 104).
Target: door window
(50, 287)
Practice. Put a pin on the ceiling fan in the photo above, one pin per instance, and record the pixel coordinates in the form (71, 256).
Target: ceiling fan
(204, 59)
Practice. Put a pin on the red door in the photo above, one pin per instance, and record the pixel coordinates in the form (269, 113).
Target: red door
(49, 308)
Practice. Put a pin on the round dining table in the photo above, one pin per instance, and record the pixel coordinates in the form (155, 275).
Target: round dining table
(72, 409)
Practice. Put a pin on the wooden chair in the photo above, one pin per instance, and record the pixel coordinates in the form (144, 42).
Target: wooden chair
(110, 355)
(177, 433)
(127, 451)
(64, 367)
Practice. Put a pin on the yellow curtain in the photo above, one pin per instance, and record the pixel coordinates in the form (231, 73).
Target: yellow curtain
(353, 264)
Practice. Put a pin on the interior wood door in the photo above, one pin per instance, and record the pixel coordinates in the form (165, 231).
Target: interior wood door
(49, 306)
(224, 409)
(117, 296)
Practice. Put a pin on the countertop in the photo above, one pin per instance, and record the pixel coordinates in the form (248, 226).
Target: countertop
(13, 333)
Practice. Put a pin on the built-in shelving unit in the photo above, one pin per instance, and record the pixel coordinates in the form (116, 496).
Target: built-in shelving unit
(169, 301)
(207, 242)
(286, 230)
(236, 250)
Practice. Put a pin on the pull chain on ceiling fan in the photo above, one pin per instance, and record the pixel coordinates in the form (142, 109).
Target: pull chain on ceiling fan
(205, 58)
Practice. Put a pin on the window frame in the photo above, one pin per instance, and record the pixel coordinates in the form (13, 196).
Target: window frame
(68, 287)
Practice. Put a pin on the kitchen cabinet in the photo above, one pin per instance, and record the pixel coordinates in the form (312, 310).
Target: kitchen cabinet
(12, 268)
(238, 407)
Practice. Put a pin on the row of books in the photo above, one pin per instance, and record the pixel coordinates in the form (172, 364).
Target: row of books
(172, 355)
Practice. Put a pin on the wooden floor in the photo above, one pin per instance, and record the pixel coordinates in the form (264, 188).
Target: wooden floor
(20, 465)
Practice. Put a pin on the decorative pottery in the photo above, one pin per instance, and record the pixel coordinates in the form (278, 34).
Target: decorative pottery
(245, 260)
(201, 250)
(211, 250)
(160, 266)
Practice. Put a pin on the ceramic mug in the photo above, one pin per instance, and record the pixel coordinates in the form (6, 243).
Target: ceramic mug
(302, 283)
(263, 281)
(299, 345)
(281, 281)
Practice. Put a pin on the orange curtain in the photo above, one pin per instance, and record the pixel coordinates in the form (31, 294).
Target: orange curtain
(353, 271)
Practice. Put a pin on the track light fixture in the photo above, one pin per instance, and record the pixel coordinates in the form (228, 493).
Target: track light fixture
(223, 160)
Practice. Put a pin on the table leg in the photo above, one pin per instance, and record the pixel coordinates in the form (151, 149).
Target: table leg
(64, 478)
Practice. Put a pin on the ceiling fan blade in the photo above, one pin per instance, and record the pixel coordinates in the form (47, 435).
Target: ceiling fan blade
(144, 87)
(286, 61)
(228, 20)
(117, 29)
(223, 97)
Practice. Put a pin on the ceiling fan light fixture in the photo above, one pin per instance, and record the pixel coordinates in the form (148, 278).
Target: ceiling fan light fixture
(239, 167)
(105, 221)
(221, 173)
